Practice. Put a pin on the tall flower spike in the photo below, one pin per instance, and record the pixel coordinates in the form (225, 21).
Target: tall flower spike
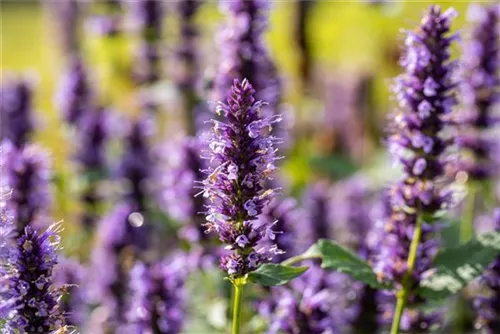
(147, 17)
(33, 301)
(157, 302)
(136, 164)
(241, 158)
(121, 237)
(16, 112)
(488, 307)
(425, 92)
(74, 96)
(91, 160)
(26, 172)
(244, 55)
(187, 61)
(480, 92)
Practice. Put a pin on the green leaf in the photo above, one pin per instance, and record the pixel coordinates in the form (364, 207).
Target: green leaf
(275, 274)
(336, 166)
(338, 258)
(457, 266)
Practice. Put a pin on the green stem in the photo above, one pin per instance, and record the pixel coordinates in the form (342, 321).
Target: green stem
(467, 224)
(402, 295)
(238, 293)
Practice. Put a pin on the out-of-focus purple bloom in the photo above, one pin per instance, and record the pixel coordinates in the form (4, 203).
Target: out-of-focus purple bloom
(71, 275)
(416, 140)
(66, 15)
(244, 55)
(29, 291)
(136, 164)
(16, 111)
(74, 96)
(488, 307)
(316, 303)
(182, 166)
(26, 172)
(241, 158)
(109, 21)
(187, 67)
(157, 300)
(121, 238)
(91, 158)
(317, 203)
(147, 18)
(480, 91)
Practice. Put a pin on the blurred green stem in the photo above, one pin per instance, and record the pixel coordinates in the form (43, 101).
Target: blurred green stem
(237, 301)
(403, 293)
(466, 233)
(467, 224)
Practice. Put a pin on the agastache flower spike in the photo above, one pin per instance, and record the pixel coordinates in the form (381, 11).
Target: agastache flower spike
(426, 97)
(241, 160)
(480, 93)
(27, 174)
(147, 16)
(91, 160)
(74, 95)
(16, 111)
(244, 55)
(33, 301)
(488, 307)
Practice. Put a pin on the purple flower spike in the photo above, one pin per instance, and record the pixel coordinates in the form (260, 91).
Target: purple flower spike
(136, 164)
(91, 160)
(317, 203)
(147, 17)
(121, 238)
(26, 172)
(16, 111)
(425, 92)
(488, 307)
(157, 297)
(244, 55)
(74, 95)
(241, 158)
(480, 92)
(29, 291)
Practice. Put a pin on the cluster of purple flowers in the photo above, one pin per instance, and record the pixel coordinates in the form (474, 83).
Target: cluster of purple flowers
(416, 140)
(480, 93)
(29, 301)
(26, 171)
(157, 297)
(16, 111)
(241, 158)
(244, 55)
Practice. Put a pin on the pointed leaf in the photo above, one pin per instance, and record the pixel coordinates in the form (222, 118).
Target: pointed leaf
(456, 267)
(338, 258)
(275, 274)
